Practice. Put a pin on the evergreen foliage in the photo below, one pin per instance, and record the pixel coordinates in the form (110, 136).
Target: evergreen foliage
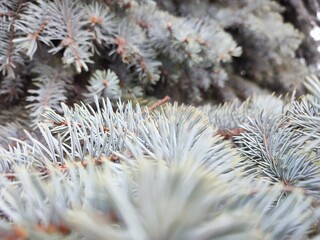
(185, 49)
(167, 173)
(88, 152)
(159, 174)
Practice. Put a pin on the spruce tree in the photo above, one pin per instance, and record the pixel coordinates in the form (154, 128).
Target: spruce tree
(142, 119)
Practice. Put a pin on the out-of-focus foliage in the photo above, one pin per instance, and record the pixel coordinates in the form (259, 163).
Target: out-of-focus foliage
(194, 51)
(167, 173)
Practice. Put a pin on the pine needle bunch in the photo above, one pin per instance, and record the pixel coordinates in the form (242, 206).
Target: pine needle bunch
(12, 88)
(275, 153)
(276, 139)
(66, 199)
(143, 174)
(51, 88)
(107, 88)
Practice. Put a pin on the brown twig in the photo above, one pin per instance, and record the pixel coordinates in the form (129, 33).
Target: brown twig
(285, 188)
(229, 133)
(53, 228)
(16, 233)
(36, 34)
(160, 102)
(7, 14)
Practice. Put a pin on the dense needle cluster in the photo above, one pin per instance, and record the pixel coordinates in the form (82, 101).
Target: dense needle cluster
(80, 161)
